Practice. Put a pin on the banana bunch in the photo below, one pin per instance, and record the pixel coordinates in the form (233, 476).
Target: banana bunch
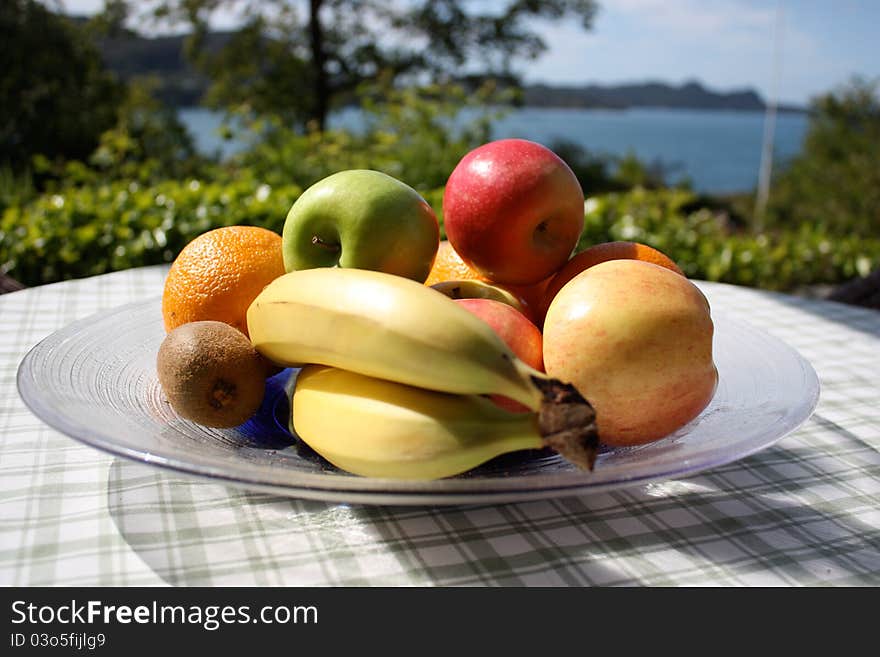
(407, 366)
(378, 428)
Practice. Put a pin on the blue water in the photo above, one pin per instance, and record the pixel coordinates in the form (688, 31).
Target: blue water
(717, 151)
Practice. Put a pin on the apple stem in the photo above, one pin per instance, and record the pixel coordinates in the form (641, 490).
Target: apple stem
(567, 422)
(329, 246)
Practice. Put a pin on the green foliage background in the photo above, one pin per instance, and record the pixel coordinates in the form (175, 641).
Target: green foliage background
(141, 193)
(88, 230)
(835, 181)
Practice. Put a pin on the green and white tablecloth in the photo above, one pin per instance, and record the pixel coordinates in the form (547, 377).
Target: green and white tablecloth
(803, 512)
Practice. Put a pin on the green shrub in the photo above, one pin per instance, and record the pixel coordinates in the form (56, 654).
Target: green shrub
(835, 181)
(15, 188)
(707, 247)
(91, 230)
(148, 143)
(85, 231)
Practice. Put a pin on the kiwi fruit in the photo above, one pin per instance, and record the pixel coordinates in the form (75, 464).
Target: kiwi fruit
(211, 374)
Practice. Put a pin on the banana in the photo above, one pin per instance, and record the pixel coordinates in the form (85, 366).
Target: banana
(388, 327)
(473, 289)
(378, 428)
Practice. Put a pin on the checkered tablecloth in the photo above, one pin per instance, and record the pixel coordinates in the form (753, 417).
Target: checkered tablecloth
(803, 512)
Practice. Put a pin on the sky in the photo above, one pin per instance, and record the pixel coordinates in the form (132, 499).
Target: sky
(792, 50)
(726, 44)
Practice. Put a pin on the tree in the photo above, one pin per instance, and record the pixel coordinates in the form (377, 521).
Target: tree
(835, 181)
(297, 58)
(56, 96)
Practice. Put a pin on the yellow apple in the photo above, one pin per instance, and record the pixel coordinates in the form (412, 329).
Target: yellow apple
(635, 339)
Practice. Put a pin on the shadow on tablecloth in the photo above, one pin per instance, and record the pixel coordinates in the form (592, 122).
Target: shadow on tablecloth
(786, 516)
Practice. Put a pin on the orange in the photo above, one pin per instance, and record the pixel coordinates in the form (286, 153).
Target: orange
(448, 266)
(219, 273)
(601, 253)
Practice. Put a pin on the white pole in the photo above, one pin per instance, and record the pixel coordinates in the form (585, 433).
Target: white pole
(766, 170)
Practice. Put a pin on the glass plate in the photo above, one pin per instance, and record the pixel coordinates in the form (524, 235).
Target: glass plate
(95, 381)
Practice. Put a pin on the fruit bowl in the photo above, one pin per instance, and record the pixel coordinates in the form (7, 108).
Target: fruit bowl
(95, 381)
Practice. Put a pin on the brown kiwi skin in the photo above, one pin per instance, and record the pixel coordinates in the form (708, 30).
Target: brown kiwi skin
(211, 374)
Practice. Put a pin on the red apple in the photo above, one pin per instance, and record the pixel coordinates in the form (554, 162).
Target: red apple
(523, 337)
(513, 210)
(635, 339)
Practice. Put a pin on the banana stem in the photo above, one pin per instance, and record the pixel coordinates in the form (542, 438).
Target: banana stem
(528, 392)
(567, 421)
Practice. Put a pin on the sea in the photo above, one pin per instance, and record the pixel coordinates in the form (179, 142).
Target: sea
(717, 152)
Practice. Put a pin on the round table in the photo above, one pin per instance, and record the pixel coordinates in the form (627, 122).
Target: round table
(803, 512)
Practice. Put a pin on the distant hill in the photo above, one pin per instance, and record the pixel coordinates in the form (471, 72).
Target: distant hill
(180, 85)
(691, 95)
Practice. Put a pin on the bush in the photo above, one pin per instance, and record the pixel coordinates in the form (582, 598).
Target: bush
(15, 188)
(835, 181)
(148, 143)
(706, 246)
(91, 230)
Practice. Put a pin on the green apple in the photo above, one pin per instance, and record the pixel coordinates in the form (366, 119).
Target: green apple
(361, 219)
